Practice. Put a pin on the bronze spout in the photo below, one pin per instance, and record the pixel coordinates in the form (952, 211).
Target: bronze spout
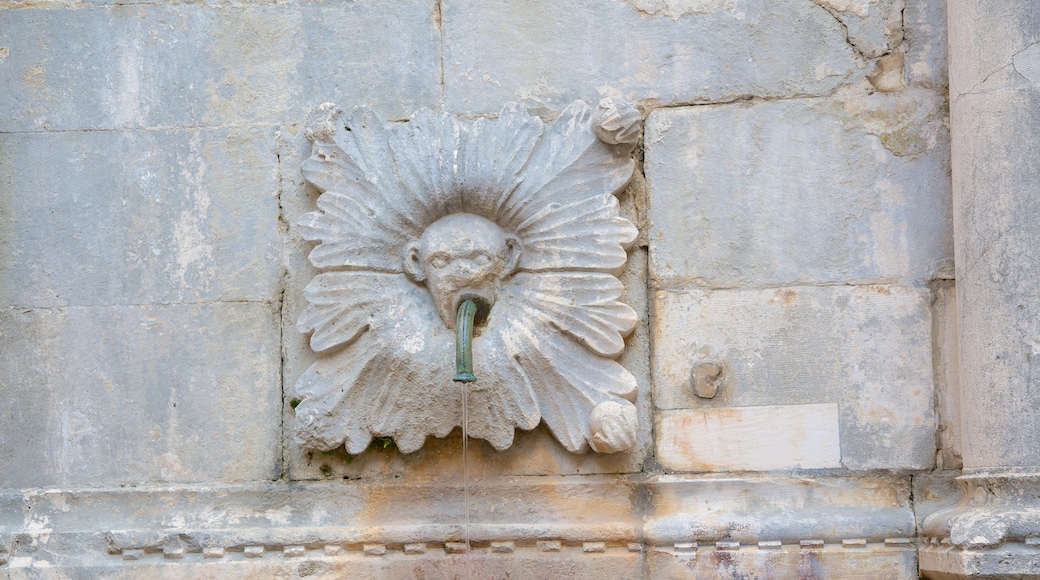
(464, 342)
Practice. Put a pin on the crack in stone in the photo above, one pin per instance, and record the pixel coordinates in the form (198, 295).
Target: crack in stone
(438, 23)
(939, 289)
(974, 90)
(844, 29)
(283, 230)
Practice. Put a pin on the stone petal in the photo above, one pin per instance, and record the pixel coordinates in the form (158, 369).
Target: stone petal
(394, 380)
(568, 380)
(502, 399)
(367, 218)
(412, 395)
(495, 158)
(350, 235)
(324, 418)
(585, 235)
(585, 305)
(425, 153)
(343, 305)
(568, 164)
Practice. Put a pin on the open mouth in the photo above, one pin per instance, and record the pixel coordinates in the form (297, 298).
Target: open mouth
(482, 298)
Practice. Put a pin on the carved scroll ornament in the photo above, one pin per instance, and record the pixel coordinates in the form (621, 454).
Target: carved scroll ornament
(512, 218)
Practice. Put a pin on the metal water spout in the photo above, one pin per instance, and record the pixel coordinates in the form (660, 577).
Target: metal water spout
(464, 341)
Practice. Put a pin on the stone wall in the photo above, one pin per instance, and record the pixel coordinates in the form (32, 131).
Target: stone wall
(795, 261)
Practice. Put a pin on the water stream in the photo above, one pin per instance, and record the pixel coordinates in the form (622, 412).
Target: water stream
(463, 376)
(465, 473)
(464, 320)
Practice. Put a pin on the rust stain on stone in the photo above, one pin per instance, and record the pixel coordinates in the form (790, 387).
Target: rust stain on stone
(34, 75)
(785, 296)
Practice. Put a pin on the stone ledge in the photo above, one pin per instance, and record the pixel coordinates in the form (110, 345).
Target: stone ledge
(614, 563)
(276, 524)
(528, 560)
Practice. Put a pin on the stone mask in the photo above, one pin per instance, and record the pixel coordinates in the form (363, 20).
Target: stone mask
(462, 256)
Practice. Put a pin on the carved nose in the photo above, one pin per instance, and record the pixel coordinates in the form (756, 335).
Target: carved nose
(465, 269)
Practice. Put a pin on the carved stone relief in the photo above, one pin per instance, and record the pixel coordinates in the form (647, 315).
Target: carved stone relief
(468, 258)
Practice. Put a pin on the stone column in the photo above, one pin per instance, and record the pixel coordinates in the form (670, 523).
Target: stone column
(995, 124)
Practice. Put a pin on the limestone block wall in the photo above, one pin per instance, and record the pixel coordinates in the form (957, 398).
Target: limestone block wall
(794, 278)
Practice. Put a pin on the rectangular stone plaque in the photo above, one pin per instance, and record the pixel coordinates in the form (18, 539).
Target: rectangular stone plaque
(749, 438)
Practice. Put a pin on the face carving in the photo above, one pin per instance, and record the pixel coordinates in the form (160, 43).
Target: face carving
(462, 256)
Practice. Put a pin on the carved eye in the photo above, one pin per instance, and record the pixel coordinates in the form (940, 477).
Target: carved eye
(438, 262)
(482, 260)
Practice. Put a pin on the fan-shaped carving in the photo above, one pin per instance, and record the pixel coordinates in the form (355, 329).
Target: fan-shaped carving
(511, 213)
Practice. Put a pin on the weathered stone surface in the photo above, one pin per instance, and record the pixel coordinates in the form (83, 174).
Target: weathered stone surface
(851, 189)
(889, 74)
(998, 511)
(194, 92)
(994, 531)
(925, 22)
(192, 64)
(1014, 561)
(107, 67)
(749, 438)
(723, 52)
(130, 394)
(866, 349)
(137, 217)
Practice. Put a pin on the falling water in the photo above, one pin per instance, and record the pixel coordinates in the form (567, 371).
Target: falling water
(464, 374)
(465, 472)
